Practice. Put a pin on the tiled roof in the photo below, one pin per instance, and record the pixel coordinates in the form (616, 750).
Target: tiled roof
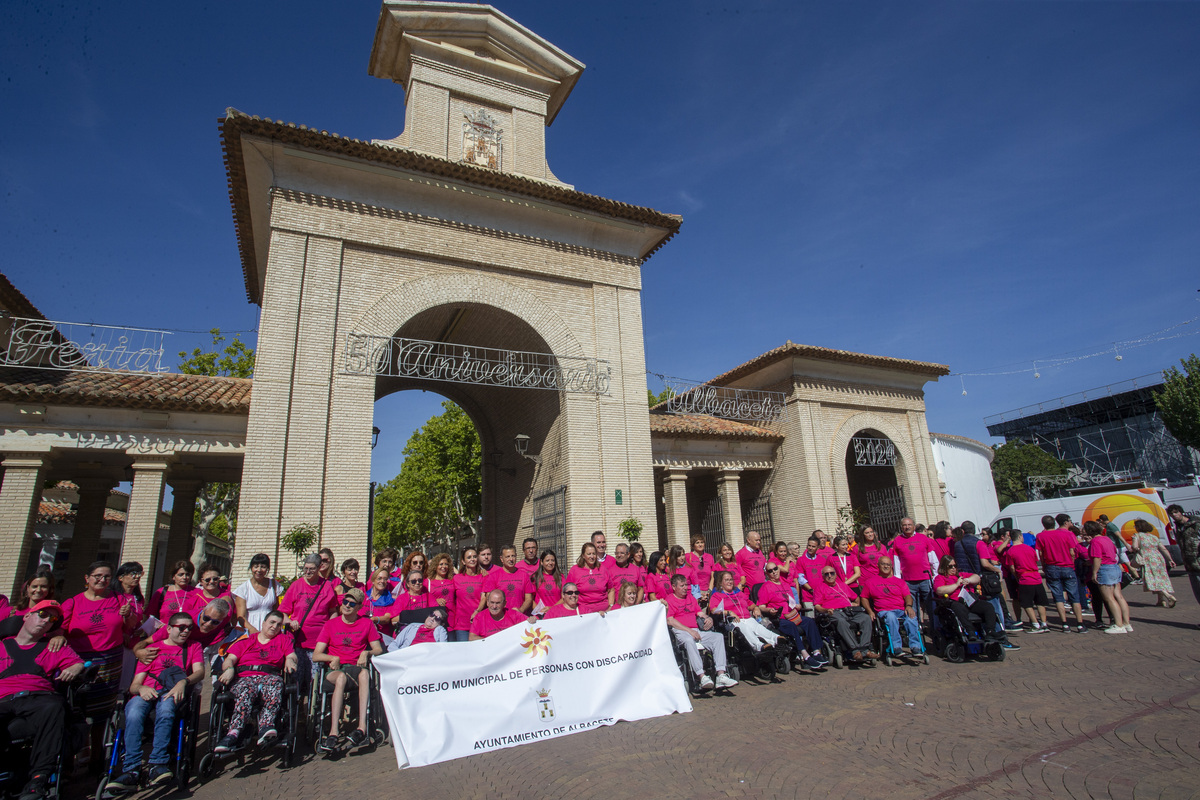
(16, 302)
(57, 512)
(702, 426)
(826, 354)
(163, 391)
(235, 124)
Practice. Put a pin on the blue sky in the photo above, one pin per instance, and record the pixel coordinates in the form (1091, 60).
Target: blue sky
(972, 183)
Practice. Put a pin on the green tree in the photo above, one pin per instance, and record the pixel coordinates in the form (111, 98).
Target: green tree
(217, 503)
(1179, 401)
(655, 399)
(1014, 462)
(439, 490)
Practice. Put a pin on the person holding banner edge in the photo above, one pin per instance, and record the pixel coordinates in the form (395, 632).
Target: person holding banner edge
(685, 618)
(497, 617)
(568, 606)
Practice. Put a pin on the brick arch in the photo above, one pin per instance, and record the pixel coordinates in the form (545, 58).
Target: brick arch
(408, 299)
(905, 458)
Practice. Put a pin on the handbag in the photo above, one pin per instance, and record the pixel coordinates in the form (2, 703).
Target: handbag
(989, 584)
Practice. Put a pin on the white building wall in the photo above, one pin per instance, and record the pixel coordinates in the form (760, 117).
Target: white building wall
(965, 469)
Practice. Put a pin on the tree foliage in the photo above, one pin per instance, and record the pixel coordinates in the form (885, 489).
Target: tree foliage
(1014, 462)
(439, 490)
(1179, 401)
(654, 399)
(217, 503)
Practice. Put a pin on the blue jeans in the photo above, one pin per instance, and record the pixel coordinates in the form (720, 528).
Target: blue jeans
(135, 724)
(1060, 580)
(997, 603)
(922, 594)
(458, 636)
(891, 623)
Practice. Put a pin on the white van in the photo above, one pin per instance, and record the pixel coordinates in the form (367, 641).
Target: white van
(1121, 508)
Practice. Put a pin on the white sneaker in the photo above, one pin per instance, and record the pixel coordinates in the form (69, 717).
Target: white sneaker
(725, 682)
(1129, 629)
(706, 683)
(1115, 629)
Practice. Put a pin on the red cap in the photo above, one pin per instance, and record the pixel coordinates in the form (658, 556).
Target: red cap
(46, 604)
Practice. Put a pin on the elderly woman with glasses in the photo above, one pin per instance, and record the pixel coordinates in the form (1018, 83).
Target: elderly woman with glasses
(568, 606)
(309, 603)
(344, 644)
(413, 596)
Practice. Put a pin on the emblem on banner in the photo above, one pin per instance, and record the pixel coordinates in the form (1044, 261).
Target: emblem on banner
(545, 703)
(536, 642)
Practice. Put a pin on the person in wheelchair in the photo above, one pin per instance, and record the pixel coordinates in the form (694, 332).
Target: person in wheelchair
(952, 590)
(162, 687)
(853, 623)
(253, 669)
(433, 629)
(777, 605)
(738, 612)
(888, 598)
(685, 618)
(28, 671)
(344, 644)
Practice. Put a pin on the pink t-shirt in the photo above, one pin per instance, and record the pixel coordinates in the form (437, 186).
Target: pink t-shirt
(844, 565)
(630, 572)
(164, 603)
(886, 594)
(49, 662)
(5, 609)
(466, 600)
(546, 591)
(527, 568)
(441, 593)
(593, 587)
(733, 603)
(1057, 547)
(93, 625)
(751, 563)
(658, 585)
(811, 567)
(732, 568)
(317, 602)
(197, 600)
(688, 573)
(485, 625)
(424, 635)
(683, 609)
(787, 570)
(913, 554)
(251, 652)
(1102, 547)
(839, 595)
(942, 547)
(775, 595)
(408, 602)
(170, 655)
(1021, 560)
(702, 565)
(946, 580)
(515, 586)
(348, 640)
(868, 559)
(984, 550)
(559, 610)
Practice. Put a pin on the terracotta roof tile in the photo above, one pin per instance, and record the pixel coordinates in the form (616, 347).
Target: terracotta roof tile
(58, 512)
(826, 354)
(164, 391)
(16, 302)
(702, 426)
(236, 123)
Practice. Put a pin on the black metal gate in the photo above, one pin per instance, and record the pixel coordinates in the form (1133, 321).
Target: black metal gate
(550, 524)
(757, 517)
(886, 508)
(712, 527)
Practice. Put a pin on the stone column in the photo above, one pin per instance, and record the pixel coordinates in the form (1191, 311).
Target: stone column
(731, 506)
(183, 517)
(19, 499)
(141, 525)
(675, 495)
(89, 521)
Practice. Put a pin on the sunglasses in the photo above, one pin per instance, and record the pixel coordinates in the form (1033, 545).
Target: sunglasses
(46, 613)
(210, 580)
(326, 561)
(415, 582)
(349, 602)
(827, 574)
(570, 592)
(205, 618)
(183, 627)
(132, 575)
(772, 571)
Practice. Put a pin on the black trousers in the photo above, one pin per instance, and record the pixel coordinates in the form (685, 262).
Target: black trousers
(45, 714)
(980, 607)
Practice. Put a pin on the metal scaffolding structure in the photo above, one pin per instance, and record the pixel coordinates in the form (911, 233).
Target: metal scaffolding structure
(1111, 434)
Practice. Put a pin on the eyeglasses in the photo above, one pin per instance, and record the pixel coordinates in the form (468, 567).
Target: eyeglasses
(132, 575)
(100, 577)
(827, 574)
(349, 601)
(46, 613)
(210, 580)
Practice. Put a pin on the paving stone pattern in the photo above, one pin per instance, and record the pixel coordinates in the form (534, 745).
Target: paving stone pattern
(1069, 715)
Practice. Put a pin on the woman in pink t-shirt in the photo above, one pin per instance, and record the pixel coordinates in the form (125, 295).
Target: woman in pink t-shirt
(637, 557)
(592, 583)
(1105, 573)
(547, 583)
(414, 594)
(440, 583)
(38, 588)
(627, 595)
(468, 584)
(727, 562)
(702, 564)
(344, 644)
(942, 541)
(782, 557)
(348, 578)
(207, 590)
(677, 565)
(844, 562)
(658, 582)
(254, 667)
(378, 602)
(869, 551)
(953, 590)
(170, 599)
(568, 606)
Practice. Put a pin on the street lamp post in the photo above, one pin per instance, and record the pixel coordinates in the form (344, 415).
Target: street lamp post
(371, 506)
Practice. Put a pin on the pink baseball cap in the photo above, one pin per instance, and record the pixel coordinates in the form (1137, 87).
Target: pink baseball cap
(47, 604)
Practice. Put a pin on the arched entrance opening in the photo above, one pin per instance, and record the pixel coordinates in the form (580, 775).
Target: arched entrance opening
(516, 488)
(873, 464)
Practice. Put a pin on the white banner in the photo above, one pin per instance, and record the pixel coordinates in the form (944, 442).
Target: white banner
(530, 682)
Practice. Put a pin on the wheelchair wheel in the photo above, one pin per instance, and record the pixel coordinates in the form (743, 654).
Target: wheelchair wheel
(887, 658)
(994, 651)
(839, 660)
(925, 658)
(206, 768)
(783, 664)
(734, 671)
(955, 652)
(764, 669)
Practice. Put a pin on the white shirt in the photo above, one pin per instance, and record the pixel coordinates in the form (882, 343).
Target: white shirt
(258, 605)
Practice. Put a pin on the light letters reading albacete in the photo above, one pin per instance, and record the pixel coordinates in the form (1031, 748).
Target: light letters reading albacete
(530, 682)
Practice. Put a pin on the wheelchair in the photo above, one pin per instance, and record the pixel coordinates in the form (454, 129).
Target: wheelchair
(839, 651)
(743, 662)
(287, 724)
(16, 742)
(956, 644)
(706, 657)
(881, 643)
(321, 707)
(182, 750)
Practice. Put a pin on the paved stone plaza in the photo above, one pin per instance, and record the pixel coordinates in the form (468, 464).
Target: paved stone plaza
(1068, 715)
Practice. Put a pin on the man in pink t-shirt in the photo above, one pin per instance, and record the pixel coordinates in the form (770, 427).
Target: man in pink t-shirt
(623, 569)
(530, 563)
(27, 665)
(496, 618)
(1021, 561)
(1056, 547)
(344, 644)
(751, 560)
(915, 560)
(517, 588)
(690, 626)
